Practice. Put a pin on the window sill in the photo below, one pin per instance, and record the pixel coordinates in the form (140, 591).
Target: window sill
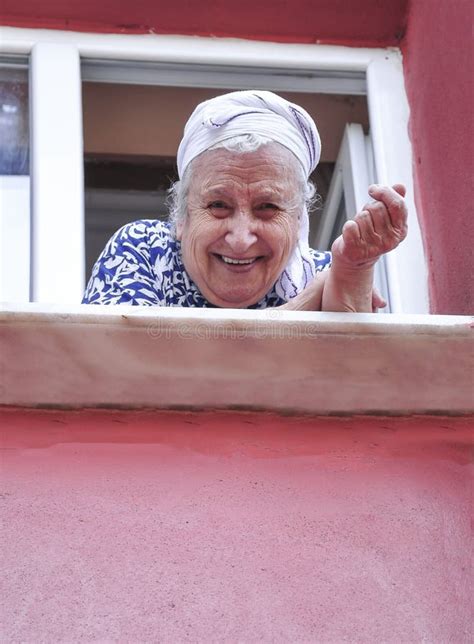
(317, 363)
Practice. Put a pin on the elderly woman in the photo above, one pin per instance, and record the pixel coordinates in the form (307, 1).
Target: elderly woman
(237, 235)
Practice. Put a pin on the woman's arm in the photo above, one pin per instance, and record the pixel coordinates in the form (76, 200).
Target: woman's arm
(348, 285)
(123, 273)
(311, 298)
(379, 228)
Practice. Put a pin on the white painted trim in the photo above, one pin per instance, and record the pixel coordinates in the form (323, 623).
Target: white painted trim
(430, 324)
(353, 174)
(195, 50)
(331, 208)
(350, 179)
(318, 363)
(12, 61)
(380, 273)
(223, 76)
(15, 238)
(56, 174)
(355, 169)
(358, 174)
(389, 115)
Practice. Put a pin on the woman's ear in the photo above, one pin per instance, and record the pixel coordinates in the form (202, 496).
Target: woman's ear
(179, 230)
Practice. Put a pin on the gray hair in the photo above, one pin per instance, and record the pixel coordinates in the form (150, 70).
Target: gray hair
(178, 193)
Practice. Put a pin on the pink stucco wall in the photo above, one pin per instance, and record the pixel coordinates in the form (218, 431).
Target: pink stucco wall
(174, 527)
(361, 22)
(437, 53)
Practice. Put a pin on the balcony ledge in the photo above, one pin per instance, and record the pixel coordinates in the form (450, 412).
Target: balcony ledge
(289, 362)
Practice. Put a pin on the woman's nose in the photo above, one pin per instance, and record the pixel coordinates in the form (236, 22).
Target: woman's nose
(240, 235)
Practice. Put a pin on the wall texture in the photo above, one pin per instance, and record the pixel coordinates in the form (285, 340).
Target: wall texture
(195, 527)
(437, 53)
(365, 22)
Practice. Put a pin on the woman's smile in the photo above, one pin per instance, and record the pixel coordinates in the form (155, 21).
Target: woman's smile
(235, 260)
(236, 265)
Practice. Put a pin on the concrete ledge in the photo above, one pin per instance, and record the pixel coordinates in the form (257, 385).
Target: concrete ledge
(318, 363)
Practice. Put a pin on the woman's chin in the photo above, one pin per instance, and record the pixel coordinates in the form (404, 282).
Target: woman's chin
(234, 298)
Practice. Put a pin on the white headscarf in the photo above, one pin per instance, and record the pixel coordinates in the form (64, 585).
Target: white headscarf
(271, 116)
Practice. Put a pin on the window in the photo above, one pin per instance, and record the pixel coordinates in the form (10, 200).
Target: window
(183, 62)
(127, 176)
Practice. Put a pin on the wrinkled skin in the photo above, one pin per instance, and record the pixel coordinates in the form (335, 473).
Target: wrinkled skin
(348, 285)
(377, 229)
(246, 207)
(242, 207)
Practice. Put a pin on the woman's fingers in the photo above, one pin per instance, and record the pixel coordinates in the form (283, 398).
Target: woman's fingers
(351, 232)
(367, 229)
(379, 217)
(378, 301)
(359, 239)
(392, 199)
(400, 188)
(377, 229)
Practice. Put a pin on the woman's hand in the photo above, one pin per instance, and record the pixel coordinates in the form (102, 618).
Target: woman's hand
(377, 229)
(348, 284)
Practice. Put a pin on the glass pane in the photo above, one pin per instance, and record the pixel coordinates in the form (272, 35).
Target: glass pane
(14, 136)
(341, 219)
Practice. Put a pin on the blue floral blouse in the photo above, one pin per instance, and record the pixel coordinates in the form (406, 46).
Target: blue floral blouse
(141, 264)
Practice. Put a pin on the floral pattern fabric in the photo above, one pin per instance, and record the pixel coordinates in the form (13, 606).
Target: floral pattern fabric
(141, 264)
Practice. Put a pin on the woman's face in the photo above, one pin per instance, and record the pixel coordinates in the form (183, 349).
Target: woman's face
(242, 223)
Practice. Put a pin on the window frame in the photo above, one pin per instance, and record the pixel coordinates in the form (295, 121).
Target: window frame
(14, 238)
(353, 172)
(330, 69)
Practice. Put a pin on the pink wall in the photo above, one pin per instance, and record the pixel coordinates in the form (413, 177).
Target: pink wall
(174, 526)
(437, 53)
(365, 22)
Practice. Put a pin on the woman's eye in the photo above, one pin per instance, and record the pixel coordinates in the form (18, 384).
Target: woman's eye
(218, 204)
(267, 206)
(219, 209)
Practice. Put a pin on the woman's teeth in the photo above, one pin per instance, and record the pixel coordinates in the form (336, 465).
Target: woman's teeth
(229, 260)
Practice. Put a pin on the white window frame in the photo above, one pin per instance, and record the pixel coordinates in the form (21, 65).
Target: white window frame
(57, 144)
(354, 171)
(14, 238)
